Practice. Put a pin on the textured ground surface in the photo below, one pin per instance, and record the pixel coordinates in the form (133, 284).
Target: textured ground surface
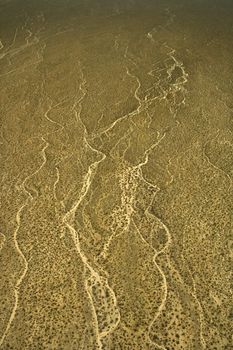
(116, 175)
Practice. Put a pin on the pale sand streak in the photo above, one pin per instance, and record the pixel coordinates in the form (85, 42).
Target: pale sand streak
(178, 86)
(37, 170)
(16, 292)
(15, 51)
(55, 183)
(142, 104)
(126, 116)
(156, 253)
(69, 218)
(201, 313)
(145, 103)
(137, 111)
(12, 52)
(164, 299)
(129, 213)
(18, 221)
(219, 170)
(13, 42)
(193, 294)
(28, 36)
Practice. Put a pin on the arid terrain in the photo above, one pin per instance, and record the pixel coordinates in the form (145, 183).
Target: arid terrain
(116, 146)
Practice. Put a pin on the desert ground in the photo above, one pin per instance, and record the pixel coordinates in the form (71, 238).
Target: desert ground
(116, 146)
